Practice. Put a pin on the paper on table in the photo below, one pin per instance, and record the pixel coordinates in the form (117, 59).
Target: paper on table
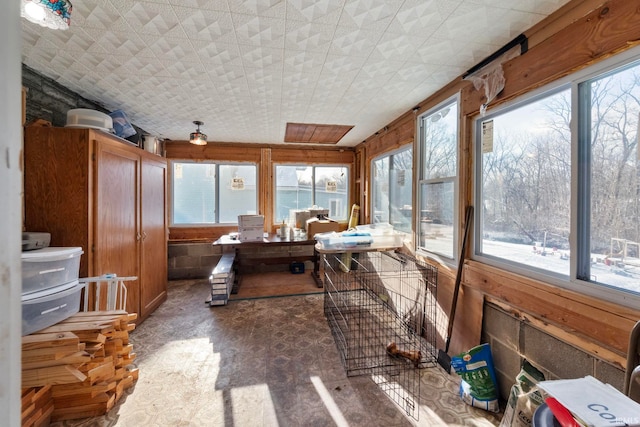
(593, 402)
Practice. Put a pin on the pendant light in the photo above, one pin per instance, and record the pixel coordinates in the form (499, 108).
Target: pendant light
(54, 14)
(197, 137)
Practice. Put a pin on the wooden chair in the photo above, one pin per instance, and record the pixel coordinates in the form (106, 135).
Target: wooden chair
(632, 374)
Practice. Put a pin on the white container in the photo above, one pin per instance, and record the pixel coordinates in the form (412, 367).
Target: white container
(86, 118)
(377, 229)
(250, 221)
(49, 267)
(50, 306)
(251, 234)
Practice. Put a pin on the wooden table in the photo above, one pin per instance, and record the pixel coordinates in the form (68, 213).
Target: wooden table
(272, 250)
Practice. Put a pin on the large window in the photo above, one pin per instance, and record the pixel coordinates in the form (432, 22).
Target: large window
(392, 186)
(437, 191)
(526, 183)
(206, 193)
(559, 183)
(302, 187)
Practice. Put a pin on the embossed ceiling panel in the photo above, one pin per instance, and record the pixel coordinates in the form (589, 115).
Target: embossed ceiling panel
(247, 67)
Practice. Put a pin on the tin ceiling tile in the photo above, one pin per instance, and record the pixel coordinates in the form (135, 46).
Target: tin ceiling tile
(272, 60)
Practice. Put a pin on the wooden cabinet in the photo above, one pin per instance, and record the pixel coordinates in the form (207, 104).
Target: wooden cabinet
(91, 189)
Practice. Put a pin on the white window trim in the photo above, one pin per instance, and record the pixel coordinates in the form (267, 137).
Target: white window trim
(315, 165)
(388, 154)
(418, 180)
(599, 291)
(171, 162)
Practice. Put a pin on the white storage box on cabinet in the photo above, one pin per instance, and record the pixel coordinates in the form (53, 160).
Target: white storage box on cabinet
(47, 307)
(49, 267)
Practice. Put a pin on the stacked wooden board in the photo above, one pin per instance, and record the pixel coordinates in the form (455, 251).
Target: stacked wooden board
(84, 365)
(37, 406)
(222, 280)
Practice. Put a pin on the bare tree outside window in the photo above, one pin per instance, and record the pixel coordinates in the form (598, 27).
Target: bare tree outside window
(526, 182)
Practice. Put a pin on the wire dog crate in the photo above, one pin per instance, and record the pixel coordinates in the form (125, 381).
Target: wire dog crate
(381, 308)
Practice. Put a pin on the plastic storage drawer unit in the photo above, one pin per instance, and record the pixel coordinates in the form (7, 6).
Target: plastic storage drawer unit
(45, 308)
(49, 267)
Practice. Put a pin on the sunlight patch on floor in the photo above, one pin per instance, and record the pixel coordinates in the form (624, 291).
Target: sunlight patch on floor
(329, 403)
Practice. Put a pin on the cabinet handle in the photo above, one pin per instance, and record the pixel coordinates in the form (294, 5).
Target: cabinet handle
(144, 235)
(138, 237)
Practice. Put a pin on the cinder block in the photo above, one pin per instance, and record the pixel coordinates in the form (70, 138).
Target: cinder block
(609, 374)
(209, 261)
(558, 357)
(506, 360)
(187, 262)
(501, 326)
(177, 249)
(199, 249)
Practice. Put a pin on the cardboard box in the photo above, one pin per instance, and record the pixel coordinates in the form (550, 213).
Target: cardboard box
(315, 225)
(251, 234)
(298, 218)
(250, 221)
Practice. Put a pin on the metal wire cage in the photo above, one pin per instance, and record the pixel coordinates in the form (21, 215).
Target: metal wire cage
(381, 308)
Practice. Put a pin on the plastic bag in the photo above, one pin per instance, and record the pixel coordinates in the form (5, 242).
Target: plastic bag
(524, 398)
(479, 387)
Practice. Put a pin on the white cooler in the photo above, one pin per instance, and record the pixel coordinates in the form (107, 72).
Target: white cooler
(49, 267)
(47, 307)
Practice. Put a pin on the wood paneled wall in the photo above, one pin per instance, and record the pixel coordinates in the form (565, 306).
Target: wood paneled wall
(579, 34)
(265, 156)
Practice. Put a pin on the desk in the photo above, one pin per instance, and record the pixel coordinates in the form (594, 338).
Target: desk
(272, 250)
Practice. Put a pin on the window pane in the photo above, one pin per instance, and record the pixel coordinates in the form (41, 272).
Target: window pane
(331, 193)
(439, 170)
(440, 143)
(526, 184)
(380, 185)
(615, 178)
(293, 190)
(194, 193)
(436, 217)
(237, 191)
(401, 180)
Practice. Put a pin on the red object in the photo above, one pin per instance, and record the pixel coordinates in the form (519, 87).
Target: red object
(562, 414)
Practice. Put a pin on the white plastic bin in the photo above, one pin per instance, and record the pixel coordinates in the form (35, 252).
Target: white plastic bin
(50, 306)
(49, 267)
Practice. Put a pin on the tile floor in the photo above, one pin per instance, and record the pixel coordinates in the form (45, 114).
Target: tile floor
(261, 362)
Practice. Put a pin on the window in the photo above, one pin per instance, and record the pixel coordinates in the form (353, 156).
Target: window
(392, 186)
(609, 203)
(206, 193)
(559, 183)
(526, 183)
(301, 187)
(437, 192)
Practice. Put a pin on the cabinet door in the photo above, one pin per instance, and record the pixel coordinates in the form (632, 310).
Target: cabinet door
(115, 216)
(153, 261)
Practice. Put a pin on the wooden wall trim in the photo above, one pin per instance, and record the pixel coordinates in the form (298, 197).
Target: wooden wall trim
(265, 156)
(266, 194)
(604, 32)
(590, 319)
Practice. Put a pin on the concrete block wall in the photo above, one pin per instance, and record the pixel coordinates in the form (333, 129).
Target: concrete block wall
(50, 101)
(192, 260)
(513, 340)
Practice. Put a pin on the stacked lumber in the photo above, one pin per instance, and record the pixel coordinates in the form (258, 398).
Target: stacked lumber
(37, 406)
(85, 362)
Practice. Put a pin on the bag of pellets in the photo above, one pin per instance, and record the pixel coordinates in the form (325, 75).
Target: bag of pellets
(524, 398)
(478, 387)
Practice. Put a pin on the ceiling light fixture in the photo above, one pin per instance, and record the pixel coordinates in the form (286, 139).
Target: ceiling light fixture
(54, 14)
(197, 137)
